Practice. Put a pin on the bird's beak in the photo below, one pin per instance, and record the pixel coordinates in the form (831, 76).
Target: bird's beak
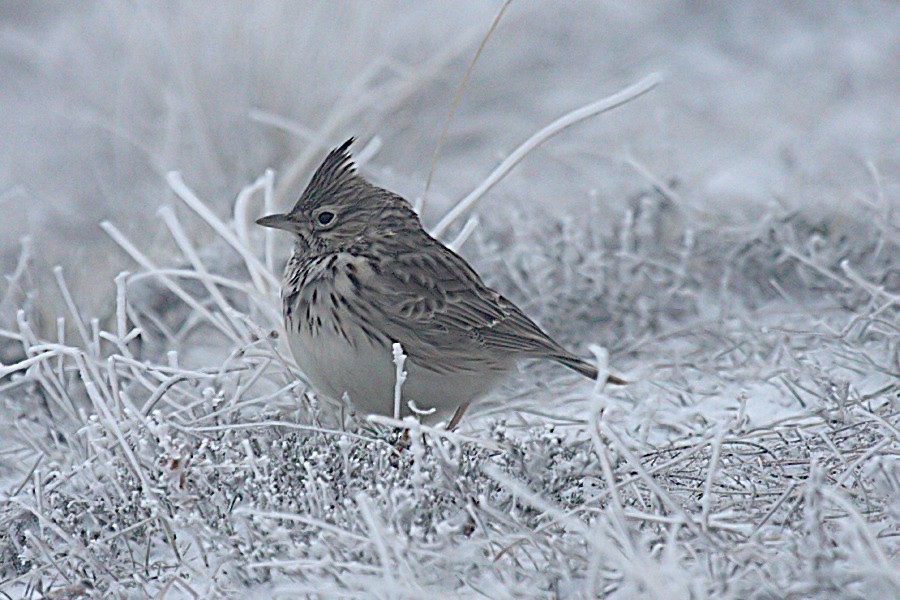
(276, 222)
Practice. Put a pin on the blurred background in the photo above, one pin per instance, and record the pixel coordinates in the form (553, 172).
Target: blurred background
(794, 104)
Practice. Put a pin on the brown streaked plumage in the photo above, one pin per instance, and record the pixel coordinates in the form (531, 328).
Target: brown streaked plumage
(365, 274)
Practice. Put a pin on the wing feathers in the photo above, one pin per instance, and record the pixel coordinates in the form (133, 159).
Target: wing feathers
(433, 298)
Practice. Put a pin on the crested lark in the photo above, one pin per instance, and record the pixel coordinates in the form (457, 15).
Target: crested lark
(364, 274)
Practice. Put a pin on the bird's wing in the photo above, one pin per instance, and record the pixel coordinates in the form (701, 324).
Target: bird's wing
(436, 306)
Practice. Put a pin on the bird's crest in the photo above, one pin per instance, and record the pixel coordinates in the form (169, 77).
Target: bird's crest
(335, 177)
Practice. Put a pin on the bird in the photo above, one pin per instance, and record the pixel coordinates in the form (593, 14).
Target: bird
(365, 275)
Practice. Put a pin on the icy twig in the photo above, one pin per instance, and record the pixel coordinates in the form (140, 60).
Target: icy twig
(203, 274)
(399, 376)
(595, 108)
(170, 283)
(188, 197)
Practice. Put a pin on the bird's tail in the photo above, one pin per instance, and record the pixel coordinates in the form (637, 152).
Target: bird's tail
(585, 368)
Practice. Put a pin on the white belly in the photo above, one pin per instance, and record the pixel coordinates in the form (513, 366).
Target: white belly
(367, 374)
(361, 367)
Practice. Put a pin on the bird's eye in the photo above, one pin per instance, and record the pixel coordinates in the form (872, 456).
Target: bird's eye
(325, 217)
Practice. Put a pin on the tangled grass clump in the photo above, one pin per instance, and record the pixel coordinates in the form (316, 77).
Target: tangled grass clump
(755, 456)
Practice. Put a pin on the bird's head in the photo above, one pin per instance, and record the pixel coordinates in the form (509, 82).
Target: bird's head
(339, 208)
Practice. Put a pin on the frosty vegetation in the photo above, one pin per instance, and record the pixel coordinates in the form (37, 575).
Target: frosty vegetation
(168, 447)
(755, 455)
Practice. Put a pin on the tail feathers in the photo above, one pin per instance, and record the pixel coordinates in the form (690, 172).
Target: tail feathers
(585, 368)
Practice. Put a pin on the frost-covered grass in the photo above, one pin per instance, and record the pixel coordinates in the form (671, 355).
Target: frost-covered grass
(155, 439)
(755, 454)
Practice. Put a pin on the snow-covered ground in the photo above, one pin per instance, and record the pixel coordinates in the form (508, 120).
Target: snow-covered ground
(731, 237)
